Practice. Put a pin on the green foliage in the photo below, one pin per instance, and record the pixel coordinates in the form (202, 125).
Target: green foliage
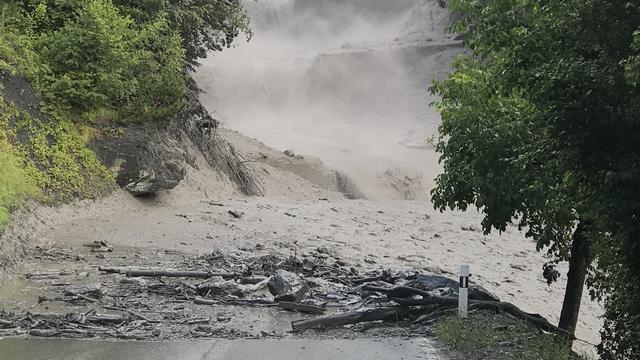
(15, 182)
(158, 68)
(51, 155)
(203, 24)
(491, 336)
(98, 59)
(95, 61)
(125, 61)
(87, 58)
(16, 55)
(540, 126)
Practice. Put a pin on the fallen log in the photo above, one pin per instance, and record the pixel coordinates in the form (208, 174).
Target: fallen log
(76, 332)
(166, 273)
(303, 308)
(131, 312)
(5, 323)
(79, 318)
(176, 274)
(400, 295)
(385, 313)
(44, 332)
(104, 318)
(110, 270)
(203, 301)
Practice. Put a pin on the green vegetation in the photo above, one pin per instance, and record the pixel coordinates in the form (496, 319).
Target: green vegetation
(540, 127)
(490, 336)
(49, 163)
(93, 63)
(15, 183)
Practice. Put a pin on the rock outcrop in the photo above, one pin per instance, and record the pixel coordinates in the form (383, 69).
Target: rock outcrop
(147, 158)
(143, 158)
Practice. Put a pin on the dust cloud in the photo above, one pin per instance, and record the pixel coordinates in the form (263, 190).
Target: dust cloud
(344, 80)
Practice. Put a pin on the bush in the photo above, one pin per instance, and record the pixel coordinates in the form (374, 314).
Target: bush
(86, 59)
(117, 60)
(98, 60)
(94, 61)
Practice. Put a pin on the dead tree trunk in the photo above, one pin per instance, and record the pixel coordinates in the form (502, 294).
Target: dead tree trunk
(578, 265)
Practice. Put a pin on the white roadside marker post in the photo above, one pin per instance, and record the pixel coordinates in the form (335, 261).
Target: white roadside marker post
(463, 292)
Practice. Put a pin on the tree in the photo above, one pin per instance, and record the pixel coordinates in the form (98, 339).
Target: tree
(87, 57)
(540, 127)
(203, 24)
(123, 60)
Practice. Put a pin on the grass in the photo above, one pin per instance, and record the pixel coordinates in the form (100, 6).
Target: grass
(486, 335)
(51, 163)
(15, 183)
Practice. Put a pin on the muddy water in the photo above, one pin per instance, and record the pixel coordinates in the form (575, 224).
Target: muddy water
(342, 81)
(20, 349)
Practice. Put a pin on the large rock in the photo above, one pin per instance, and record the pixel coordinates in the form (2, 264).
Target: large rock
(143, 158)
(287, 286)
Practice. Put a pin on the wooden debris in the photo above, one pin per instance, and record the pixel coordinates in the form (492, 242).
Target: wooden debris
(213, 203)
(203, 301)
(401, 294)
(110, 270)
(166, 273)
(301, 307)
(44, 332)
(104, 318)
(329, 321)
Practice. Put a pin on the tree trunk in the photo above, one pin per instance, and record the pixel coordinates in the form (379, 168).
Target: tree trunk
(578, 265)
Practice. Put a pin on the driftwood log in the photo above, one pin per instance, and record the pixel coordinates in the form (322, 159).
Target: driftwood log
(104, 318)
(383, 313)
(5, 323)
(300, 307)
(167, 273)
(203, 301)
(401, 294)
(177, 274)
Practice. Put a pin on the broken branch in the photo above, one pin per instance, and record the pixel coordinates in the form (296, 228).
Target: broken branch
(303, 308)
(166, 273)
(401, 293)
(386, 313)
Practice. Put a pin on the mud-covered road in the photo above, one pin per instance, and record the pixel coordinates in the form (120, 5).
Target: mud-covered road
(369, 235)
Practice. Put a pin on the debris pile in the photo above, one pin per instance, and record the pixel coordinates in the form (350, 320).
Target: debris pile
(206, 296)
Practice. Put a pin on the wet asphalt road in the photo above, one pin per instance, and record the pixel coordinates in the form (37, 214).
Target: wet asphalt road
(219, 349)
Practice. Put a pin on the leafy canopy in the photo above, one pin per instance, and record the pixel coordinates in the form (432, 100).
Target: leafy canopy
(120, 60)
(541, 127)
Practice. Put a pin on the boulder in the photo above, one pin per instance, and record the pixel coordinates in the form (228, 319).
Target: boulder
(143, 158)
(287, 286)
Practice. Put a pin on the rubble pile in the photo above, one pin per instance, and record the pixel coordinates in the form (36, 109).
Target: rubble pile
(177, 296)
